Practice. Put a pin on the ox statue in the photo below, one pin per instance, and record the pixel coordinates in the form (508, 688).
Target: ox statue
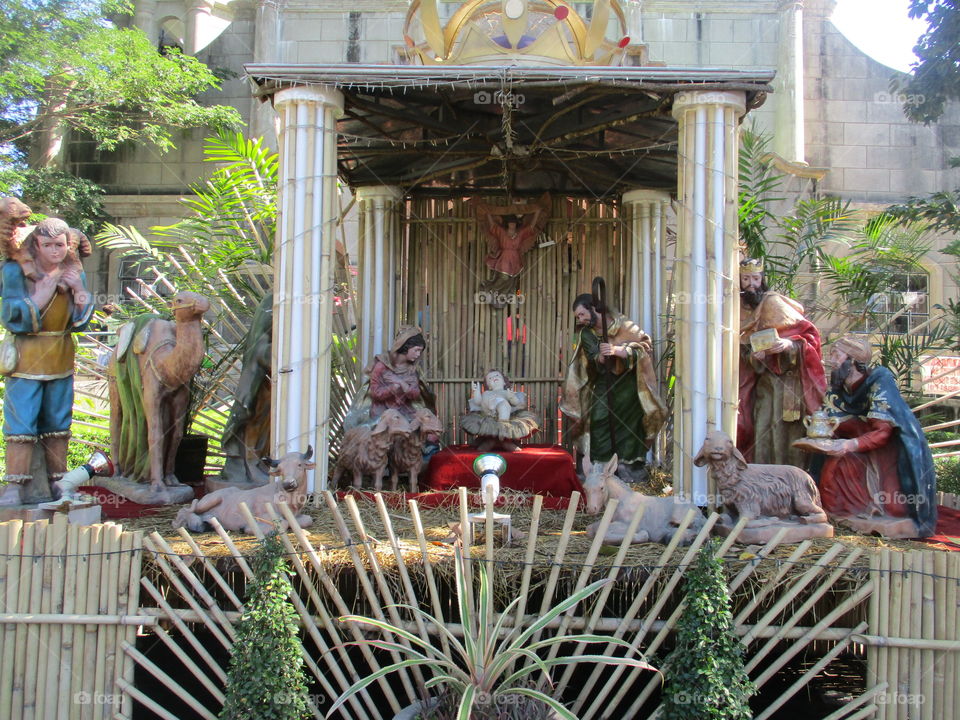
(289, 485)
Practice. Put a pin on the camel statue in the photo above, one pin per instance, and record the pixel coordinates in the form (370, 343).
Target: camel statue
(149, 377)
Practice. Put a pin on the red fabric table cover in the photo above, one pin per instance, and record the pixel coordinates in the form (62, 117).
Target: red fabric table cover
(537, 469)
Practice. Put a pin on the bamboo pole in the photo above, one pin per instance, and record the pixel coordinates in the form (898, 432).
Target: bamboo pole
(89, 538)
(168, 682)
(196, 672)
(101, 641)
(857, 702)
(29, 548)
(171, 576)
(181, 626)
(341, 607)
(769, 586)
(64, 669)
(873, 615)
(928, 612)
(796, 587)
(638, 638)
(309, 623)
(146, 701)
(904, 628)
(800, 612)
(804, 679)
(87, 657)
(368, 592)
(953, 631)
(130, 598)
(37, 598)
(940, 621)
(53, 578)
(601, 599)
(199, 590)
(893, 629)
(427, 568)
(848, 604)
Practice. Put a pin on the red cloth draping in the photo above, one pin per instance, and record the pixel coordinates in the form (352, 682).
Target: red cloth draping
(812, 379)
(537, 469)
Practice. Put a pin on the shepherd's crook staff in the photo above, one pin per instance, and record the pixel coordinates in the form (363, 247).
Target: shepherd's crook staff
(599, 292)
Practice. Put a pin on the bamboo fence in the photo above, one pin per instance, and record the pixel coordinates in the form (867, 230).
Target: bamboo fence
(73, 598)
(790, 603)
(68, 608)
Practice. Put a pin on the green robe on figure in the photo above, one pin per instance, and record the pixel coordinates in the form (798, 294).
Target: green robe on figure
(629, 387)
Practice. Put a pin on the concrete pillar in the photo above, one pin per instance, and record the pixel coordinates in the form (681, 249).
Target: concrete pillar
(788, 95)
(646, 213)
(266, 49)
(198, 13)
(379, 239)
(304, 257)
(144, 17)
(705, 281)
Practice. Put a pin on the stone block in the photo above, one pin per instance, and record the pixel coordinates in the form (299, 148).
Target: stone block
(869, 180)
(854, 89)
(866, 134)
(333, 27)
(906, 135)
(909, 181)
(884, 110)
(846, 111)
(729, 54)
(717, 29)
(848, 156)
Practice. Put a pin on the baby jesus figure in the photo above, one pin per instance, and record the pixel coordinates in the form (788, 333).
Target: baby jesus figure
(498, 415)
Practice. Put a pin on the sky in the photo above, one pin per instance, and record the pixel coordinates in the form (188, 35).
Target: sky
(880, 28)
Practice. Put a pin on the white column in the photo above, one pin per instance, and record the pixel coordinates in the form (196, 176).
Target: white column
(144, 17)
(198, 12)
(707, 307)
(379, 239)
(266, 49)
(646, 212)
(788, 136)
(304, 256)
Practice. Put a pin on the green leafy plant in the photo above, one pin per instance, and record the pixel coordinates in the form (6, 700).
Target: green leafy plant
(266, 680)
(704, 673)
(481, 676)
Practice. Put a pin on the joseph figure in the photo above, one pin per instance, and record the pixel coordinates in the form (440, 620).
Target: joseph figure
(612, 384)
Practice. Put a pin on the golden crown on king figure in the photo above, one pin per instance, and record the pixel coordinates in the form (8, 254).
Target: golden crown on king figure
(751, 265)
(521, 32)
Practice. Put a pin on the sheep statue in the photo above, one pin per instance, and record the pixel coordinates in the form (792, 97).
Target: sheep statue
(770, 496)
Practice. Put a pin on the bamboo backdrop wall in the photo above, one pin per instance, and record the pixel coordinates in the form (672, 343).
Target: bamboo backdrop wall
(441, 272)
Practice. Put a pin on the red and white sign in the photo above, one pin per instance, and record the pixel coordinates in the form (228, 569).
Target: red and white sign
(941, 375)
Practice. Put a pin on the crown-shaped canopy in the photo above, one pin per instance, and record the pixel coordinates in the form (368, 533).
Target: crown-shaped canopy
(518, 32)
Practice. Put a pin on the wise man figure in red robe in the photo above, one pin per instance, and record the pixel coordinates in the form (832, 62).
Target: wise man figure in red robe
(781, 383)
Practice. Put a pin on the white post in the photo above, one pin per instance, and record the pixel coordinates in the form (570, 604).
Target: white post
(144, 18)
(646, 217)
(379, 240)
(788, 136)
(707, 310)
(304, 255)
(198, 12)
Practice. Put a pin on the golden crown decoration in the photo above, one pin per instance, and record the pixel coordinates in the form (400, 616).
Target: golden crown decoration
(520, 32)
(751, 265)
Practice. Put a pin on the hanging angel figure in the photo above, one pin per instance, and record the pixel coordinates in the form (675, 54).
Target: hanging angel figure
(511, 230)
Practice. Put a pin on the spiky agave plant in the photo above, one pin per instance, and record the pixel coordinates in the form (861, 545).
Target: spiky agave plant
(480, 675)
